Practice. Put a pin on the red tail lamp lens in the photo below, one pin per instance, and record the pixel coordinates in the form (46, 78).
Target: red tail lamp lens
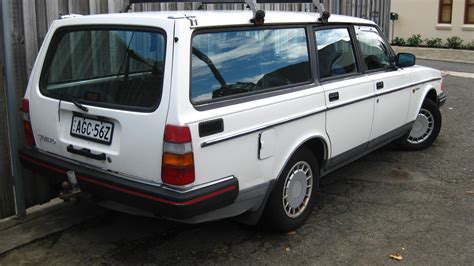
(177, 134)
(177, 176)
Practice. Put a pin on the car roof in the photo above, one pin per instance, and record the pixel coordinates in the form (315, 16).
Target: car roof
(230, 17)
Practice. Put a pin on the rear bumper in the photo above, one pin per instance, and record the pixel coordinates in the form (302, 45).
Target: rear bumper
(158, 200)
(441, 99)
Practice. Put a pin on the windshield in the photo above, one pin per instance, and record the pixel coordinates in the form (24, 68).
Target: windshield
(106, 67)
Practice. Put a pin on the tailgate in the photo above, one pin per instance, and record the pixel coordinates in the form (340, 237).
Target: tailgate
(102, 97)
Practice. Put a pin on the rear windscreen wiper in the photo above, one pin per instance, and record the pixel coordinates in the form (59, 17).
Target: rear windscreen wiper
(74, 100)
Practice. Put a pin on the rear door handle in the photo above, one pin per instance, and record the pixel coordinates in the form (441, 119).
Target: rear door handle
(379, 85)
(87, 153)
(334, 96)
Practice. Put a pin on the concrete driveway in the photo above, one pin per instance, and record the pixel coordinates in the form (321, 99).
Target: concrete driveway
(417, 204)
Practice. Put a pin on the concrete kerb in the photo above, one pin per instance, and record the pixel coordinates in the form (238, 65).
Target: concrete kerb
(44, 220)
(32, 213)
(450, 55)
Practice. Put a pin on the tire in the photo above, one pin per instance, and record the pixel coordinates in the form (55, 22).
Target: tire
(425, 130)
(303, 164)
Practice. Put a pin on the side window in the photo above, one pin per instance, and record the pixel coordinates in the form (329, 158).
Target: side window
(375, 53)
(335, 52)
(237, 62)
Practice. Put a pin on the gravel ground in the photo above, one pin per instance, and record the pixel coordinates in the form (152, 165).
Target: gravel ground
(418, 204)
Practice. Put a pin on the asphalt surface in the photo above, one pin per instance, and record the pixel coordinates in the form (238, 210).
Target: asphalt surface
(417, 204)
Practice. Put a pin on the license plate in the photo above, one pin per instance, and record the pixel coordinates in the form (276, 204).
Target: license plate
(92, 129)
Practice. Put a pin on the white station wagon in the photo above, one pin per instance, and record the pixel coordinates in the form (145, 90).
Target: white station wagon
(202, 115)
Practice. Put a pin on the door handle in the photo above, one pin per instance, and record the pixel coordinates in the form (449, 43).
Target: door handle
(379, 85)
(334, 96)
(86, 153)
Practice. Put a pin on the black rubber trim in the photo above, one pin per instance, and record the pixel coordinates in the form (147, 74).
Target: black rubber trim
(155, 199)
(364, 149)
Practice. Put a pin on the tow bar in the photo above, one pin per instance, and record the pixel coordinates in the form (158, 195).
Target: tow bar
(70, 189)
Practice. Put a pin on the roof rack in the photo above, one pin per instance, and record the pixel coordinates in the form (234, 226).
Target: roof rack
(258, 15)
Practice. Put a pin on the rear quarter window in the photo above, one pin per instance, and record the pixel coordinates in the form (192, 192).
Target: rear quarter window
(240, 62)
(111, 67)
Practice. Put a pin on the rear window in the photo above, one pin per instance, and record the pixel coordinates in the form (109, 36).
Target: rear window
(115, 68)
(239, 62)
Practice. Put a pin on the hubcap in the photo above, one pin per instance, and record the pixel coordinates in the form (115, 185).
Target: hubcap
(422, 128)
(297, 189)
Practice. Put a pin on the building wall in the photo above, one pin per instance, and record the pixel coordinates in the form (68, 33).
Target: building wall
(421, 17)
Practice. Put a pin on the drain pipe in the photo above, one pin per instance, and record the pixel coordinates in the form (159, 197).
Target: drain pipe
(12, 110)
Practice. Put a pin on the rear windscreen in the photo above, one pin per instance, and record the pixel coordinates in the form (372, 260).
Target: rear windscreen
(116, 68)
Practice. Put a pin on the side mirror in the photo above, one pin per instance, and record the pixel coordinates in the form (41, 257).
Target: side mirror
(405, 60)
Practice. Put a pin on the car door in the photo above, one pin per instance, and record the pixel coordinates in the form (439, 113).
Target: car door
(349, 94)
(392, 85)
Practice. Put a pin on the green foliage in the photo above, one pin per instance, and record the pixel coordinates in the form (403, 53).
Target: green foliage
(434, 42)
(469, 46)
(454, 42)
(415, 40)
(398, 41)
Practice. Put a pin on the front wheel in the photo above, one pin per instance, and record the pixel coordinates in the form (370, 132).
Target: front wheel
(294, 195)
(425, 130)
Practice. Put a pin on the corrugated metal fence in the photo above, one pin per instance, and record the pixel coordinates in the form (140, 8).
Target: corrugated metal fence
(30, 22)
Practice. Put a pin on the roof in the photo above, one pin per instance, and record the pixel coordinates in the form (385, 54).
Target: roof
(228, 18)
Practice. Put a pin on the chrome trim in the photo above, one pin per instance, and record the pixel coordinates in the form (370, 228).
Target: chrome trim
(187, 190)
(91, 81)
(269, 125)
(137, 179)
(256, 129)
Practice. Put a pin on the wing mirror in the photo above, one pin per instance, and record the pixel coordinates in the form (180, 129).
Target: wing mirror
(405, 60)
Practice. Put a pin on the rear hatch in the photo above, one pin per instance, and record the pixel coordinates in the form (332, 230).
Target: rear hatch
(102, 97)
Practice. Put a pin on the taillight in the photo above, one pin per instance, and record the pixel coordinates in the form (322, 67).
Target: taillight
(442, 86)
(178, 160)
(29, 137)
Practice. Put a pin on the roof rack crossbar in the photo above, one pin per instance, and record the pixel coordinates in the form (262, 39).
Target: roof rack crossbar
(258, 15)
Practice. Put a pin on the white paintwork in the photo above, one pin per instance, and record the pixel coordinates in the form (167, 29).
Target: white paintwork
(142, 148)
(281, 124)
(391, 109)
(349, 126)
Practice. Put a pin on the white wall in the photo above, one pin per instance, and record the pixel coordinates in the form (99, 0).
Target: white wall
(421, 17)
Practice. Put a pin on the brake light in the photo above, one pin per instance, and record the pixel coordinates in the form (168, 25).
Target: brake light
(177, 134)
(29, 137)
(178, 160)
(442, 86)
(25, 106)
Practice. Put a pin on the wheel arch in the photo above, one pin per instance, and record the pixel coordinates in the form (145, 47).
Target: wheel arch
(431, 95)
(318, 145)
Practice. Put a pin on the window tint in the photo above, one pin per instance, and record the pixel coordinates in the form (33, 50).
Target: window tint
(375, 54)
(118, 67)
(336, 53)
(239, 62)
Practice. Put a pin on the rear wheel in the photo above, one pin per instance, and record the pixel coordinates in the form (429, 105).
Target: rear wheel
(294, 195)
(425, 130)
